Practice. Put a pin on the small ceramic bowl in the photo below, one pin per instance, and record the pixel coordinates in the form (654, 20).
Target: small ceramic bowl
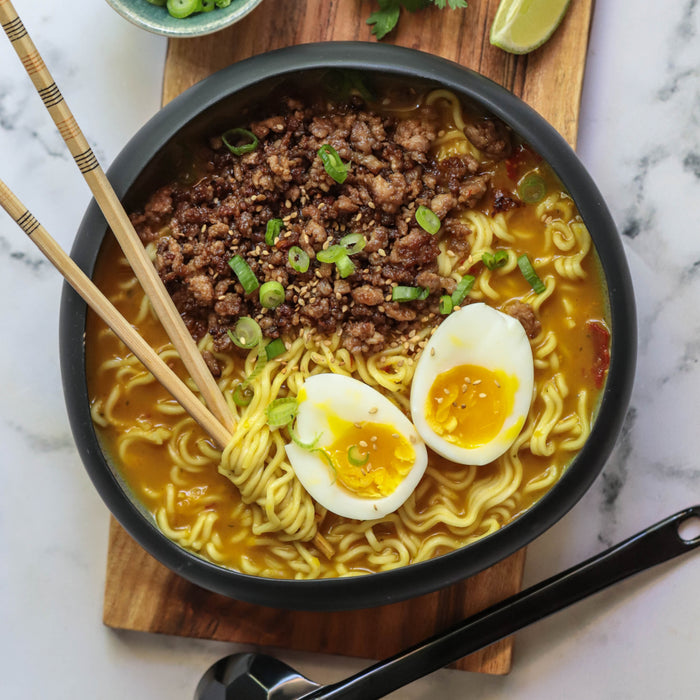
(158, 20)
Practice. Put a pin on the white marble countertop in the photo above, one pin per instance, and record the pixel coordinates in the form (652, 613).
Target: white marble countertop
(640, 138)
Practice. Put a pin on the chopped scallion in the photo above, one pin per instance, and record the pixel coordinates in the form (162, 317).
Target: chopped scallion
(345, 266)
(239, 141)
(462, 289)
(246, 333)
(311, 446)
(298, 259)
(446, 304)
(532, 188)
(275, 348)
(182, 8)
(331, 254)
(404, 293)
(271, 294)
(243, 394)
(530, 275)
(272, 230)
(260, 362)
(356, 456)
(281, 412)
(353, 243)
(245, 275)
(495, 260)
(333, 164)
(428, 220)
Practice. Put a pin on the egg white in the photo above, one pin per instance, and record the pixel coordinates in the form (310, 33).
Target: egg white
(324, 396)
(479, 335)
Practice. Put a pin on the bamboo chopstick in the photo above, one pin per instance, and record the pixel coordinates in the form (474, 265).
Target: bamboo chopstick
(84, 286)
(97, 301)
(113, 212)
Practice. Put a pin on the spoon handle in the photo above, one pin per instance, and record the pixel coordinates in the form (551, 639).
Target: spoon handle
(652, 546)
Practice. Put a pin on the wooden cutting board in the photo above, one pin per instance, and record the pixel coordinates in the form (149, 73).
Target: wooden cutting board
(140, 594)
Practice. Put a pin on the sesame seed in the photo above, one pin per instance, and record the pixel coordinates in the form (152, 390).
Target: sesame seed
(482, 395)
(373, 410)
(477, 382)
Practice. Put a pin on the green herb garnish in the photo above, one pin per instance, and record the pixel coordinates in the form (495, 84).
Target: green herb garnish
(387, 16)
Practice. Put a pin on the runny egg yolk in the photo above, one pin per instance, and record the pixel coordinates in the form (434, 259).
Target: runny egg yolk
(467, 405)
(369, 459)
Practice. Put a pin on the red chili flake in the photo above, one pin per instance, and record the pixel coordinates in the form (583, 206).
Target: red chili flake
(600, 337)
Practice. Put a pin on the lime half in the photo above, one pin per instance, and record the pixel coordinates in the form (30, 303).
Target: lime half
(521, 26)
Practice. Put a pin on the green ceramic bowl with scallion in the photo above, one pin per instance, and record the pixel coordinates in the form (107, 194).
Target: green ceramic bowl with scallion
(183, 18)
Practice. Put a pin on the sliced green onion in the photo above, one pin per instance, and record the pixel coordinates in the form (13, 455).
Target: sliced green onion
(446, 304)
(495, 260)
(428, 220)
(271, 294)
(245, 275)
(326, 458)
(246, 333)
(243, 394)
(207, 5)
(272, 231)
(311, 446)
(462, 289)
(182, 8)
(281, 412)
(353, 243)
(357, 457)
(298, 259)
(331, 254)
(260, 362)
(332, 163)
(223, 3)
(403, 293)
(275, 348)
(233, 136)
(532, 188)
(530, 275)
(345, 266)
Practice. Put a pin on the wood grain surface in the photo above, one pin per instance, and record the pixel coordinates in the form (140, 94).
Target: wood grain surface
(141, 594)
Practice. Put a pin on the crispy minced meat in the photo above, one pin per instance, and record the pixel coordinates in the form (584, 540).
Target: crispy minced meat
(199, 227)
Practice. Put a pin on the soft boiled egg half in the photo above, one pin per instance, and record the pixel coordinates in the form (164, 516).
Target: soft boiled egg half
(472, 387)
(362, 458)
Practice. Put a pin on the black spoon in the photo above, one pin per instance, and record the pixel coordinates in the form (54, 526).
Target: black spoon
(255, 676)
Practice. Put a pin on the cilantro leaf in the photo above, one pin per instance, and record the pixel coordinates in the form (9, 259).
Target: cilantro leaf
(386, 17)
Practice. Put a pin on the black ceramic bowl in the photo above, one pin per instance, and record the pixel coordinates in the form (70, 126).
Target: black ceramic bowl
(258, 76)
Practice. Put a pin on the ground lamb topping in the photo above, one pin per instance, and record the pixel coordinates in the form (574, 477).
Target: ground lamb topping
(199, 227)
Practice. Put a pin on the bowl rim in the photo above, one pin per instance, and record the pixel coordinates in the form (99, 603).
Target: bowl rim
(415, 579)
